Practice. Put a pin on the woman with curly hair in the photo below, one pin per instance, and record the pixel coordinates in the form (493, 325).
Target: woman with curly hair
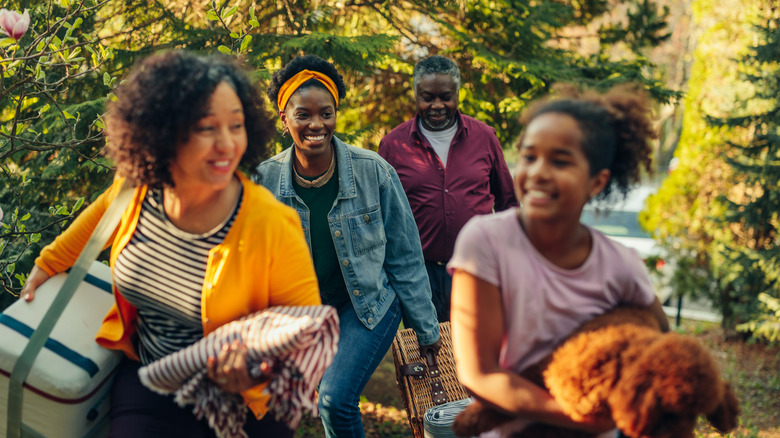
(524, 279)
(360, 230)
(199, 246)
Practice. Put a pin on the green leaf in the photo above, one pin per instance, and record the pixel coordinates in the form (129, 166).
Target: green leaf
(230, 12)
(245, 42)
(35, 237)
(68, 115)
(224, 49)
(79, 203)
(10, 268)
(106, 79)
(25, 217)
(212, 16)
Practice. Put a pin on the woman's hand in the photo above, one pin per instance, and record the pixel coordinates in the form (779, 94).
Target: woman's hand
(34, 280)
(229, 369)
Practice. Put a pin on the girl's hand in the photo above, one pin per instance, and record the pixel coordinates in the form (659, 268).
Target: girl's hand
(229, 369)
(34, 280)
(597, 424)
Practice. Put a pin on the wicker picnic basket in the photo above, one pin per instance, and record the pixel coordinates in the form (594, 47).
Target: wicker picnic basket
(423, 386)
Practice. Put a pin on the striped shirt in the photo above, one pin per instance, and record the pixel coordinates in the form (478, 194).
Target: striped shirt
(161, 273)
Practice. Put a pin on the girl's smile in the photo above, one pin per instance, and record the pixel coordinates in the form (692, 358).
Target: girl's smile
(552, 176)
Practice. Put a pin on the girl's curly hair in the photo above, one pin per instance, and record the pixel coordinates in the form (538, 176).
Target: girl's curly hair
(297, 65)
(161, 101)
(616, 126)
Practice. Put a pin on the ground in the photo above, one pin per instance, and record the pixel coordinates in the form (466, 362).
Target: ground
(753, 369)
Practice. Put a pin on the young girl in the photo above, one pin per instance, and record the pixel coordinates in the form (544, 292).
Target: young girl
(524, 279)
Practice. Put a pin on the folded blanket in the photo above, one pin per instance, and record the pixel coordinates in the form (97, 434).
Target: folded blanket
(298, 341)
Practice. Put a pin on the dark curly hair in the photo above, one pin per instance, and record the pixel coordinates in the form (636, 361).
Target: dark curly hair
(616, 126)
(297, 65)
(161, 101)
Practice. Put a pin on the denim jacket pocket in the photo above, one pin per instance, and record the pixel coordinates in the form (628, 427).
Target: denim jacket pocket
(367, 229)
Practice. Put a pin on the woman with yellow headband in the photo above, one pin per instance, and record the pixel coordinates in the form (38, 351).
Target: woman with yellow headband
(361, 232)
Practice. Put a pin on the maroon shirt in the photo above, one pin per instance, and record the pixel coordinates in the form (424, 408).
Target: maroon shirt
(476, 180)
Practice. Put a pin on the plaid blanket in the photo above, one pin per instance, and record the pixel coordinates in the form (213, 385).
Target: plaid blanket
(298, 341)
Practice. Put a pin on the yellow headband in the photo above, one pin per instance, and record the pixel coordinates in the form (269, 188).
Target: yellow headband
(288, 88)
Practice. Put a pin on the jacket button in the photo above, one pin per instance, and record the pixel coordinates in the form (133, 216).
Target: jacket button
(366, 218)
(337, 233)
(370, 320)
(355, 292)
(345, 262)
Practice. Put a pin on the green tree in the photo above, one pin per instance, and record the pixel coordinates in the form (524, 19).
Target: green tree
(718, 211)
(750, 263)
(50, 129)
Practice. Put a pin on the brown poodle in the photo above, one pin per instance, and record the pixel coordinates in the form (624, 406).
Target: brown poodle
(619, 364)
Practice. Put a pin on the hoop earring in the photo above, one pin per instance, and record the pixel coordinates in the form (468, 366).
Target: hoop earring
(284, 131)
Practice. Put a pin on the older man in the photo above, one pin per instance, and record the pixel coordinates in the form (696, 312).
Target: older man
(451, 167)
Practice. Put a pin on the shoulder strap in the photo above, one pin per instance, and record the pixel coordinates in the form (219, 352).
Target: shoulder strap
(92, 249)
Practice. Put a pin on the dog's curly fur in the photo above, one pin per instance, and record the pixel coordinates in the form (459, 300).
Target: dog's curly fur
(620, 364)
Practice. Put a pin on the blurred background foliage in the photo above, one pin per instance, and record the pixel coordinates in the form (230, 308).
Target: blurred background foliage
(717, 212)
(57, 77)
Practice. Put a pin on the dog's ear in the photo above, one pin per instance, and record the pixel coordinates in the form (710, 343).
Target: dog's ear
(724, 418)
(674, 375)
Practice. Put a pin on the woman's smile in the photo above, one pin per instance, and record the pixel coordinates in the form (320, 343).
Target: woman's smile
(310, 117)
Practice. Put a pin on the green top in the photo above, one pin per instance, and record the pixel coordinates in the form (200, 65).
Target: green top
(320, 200)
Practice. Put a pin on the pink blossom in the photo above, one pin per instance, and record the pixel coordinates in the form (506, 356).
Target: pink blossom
(13, 23)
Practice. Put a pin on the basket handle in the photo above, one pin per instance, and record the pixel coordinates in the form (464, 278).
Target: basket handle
(438, 393)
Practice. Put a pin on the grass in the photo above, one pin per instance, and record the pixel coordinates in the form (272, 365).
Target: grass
(753, 370)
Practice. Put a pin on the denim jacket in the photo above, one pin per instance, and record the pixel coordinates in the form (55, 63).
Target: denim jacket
(374, 233)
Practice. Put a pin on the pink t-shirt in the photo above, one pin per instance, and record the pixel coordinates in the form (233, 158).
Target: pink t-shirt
(542, 302)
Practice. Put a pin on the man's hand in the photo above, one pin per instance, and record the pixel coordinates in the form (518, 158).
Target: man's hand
(429, 352)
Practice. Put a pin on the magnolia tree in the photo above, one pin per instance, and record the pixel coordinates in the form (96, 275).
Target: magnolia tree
(50, 126)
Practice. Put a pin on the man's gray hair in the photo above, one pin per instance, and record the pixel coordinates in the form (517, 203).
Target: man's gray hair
(435, 65)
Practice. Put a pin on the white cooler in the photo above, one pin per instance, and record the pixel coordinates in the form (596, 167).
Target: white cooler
(67, 390)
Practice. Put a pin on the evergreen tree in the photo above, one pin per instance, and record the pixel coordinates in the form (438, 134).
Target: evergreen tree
(718, 211)
(750, 269)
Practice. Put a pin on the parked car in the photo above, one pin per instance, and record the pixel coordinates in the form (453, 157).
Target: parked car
(621, 223)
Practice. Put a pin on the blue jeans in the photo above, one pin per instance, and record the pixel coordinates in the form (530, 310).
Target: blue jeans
(441, 288)
(359, 354)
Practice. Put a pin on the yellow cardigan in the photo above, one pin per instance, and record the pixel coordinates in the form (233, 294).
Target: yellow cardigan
(263, 261)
